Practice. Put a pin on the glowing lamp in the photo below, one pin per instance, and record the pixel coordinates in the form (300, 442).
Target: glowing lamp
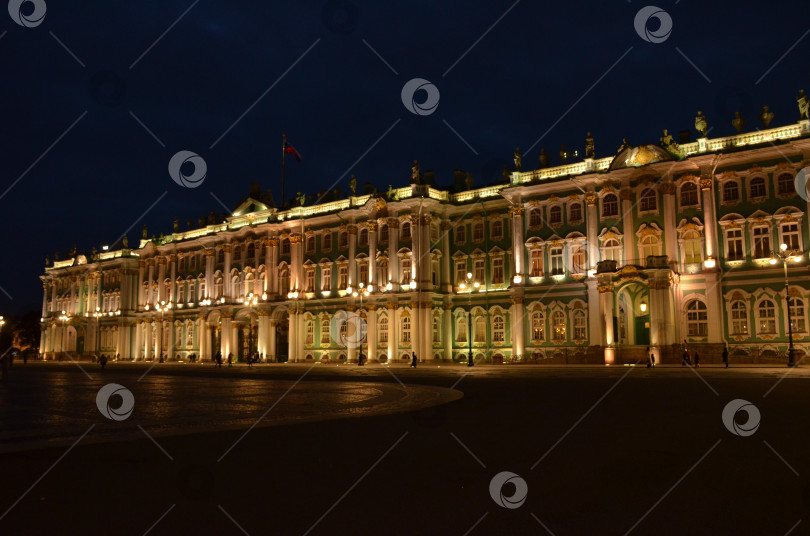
(643, 307)
(709, 263)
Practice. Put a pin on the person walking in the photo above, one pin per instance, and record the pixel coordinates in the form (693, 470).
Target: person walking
(250, 360)
(103, 361)
(725, 356)
(218, 360)
(413, 361)
(697, 359)
(230, 358)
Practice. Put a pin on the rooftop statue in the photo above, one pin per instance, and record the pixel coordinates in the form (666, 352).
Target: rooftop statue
(353, 185)
(766, 117)
(518, 160)
(125, 242)
(416, 175)
(144, 231)
(625, 145)
(667, 142)
(804, 104)
(590, 150)
(738, 122)
(544, 159)
(700, 124)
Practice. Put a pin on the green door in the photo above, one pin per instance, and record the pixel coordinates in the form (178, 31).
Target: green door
(643, 330)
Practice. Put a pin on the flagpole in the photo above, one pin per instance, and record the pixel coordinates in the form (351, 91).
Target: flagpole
(283, 166)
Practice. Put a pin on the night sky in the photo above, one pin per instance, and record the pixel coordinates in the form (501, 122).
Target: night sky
(510, 89)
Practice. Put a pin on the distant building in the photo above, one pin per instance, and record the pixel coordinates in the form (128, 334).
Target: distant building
(586, 262)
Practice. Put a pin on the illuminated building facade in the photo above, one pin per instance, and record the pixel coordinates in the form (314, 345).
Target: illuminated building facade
(586, 262)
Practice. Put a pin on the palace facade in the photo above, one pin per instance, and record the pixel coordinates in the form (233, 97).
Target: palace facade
(588, 262)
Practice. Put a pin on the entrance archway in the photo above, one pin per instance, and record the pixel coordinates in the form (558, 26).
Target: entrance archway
(282, 336)
(633, 314)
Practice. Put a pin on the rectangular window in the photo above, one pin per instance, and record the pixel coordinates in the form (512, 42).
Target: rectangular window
(734, 241)
(762, 242)
(497, 229)
(497, 271)
(536, 263)
(406, 329)
(343, 277)
(343, 240)
(405, 268)
(310, 280)
(310, 333)
(382, 331)
(363, 274)
(556, 261)
(327, 241)
(461, 330)
(790, 235)
(478, 232)
(479, 271)
(461, 271)
(325, 332)
(326, 278)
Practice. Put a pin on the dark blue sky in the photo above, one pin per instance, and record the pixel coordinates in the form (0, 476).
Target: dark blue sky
(219, 58)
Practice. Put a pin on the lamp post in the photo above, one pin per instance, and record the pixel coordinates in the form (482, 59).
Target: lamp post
(471, 283)
(292, 295)
(361, 292)
(785, 253)
(1, 326)
(97, 315)
(162, 307)
(251, 301)
(64, 319)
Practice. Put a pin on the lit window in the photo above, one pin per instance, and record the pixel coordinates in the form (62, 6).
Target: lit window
(382, 330)
(461, 272)
(734, 242)
(310, 287)
(406, 329)
(580, 333)
(190, 335)
(762, 242)
(480, 330)
(692, 250)
(324, 332)
(343, 277)
(498, 329)
(536, 258)
(790, 235)
(461, 329)
(797, 317)
(436, 329)
(611, 250)
(556, 254)
(579, 260)
(767, 317)
(739, 318)
(558, 321)
(697, 319)
(478, 271)
(538, 326)
(650, 245)
(326, 278)
(497, 271)
(310, 332)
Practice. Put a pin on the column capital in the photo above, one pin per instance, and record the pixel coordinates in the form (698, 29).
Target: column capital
(393, 223)
(604, 288)
(516, 210)
(372, 226)
(706, 183)
(210, 252)
(445, 225)
(227, 248)
(352, 228)
(591, 199)
(626, 194)
(667, 188)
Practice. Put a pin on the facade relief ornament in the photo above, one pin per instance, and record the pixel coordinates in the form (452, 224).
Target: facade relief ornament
(667, 188)
(591, 199)
(706, 183)
(372, 226)
(352, 229)
(393, 223)
(604, 288)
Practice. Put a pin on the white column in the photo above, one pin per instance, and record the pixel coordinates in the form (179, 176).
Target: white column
(161, 276)
(518, 247)
(226, 330)
(710, 224)
(393, 247)
(594, 313)
(517, 322)
(227, 290)
(272, 268)
(447, 326)
(592, 224)
(370, 344)
(606, 308)
(352, 235)
(392, 337)
(209, 273)
(670, 238)
(630, 255)
(372, 253)
(447, 273)
(271, 348)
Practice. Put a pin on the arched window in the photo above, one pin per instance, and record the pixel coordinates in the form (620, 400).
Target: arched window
(191, 294)
(405, 232)
(538, 326)
(497, 229)
(785, 184)
(797, 315)
(461, 329)
(649, 200)
(650, 245)
(767, 317)
(692, 250)
(384, 233)
(731, 192)
(382, 330)
(558, 324)
(382, 271)
(555, 215)
(406, 329)
(575, 212)
(343, 240)
(310, 244)
(478, 232)
(611, 250)
(498, 329)
(251, 252)
(326, 241)
(610, 206)
(343, 277)
(579, 260)
(283, 280)
(189, 335)
(480, 333)
(739, 318)
(689, 194)
(757, 188)
(285, 246)
(221, 256)
(363, 237)
(201, 286)
(436, 329)
(580, 332)
(310, 332)
(218, 287)
(181, 292)
(697, 319)
(237, 254)
(238, 287)
(324, 332)
(535, 218)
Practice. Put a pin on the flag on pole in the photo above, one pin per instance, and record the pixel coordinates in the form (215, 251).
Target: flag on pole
(289, 149)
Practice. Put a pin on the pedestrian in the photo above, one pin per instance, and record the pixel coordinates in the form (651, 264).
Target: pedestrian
(413, 361)
(649, 357)
(697, 359)
(218, 359)
(103, 361)
(230, 358)
(725, 356)
(685, 358)
(250, 360)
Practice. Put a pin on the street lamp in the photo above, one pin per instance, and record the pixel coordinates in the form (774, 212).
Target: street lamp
(64, 318)
(1, 325)
(361, 292)
(785, 253)
(251, 301)
(98, 316)
(472, 284)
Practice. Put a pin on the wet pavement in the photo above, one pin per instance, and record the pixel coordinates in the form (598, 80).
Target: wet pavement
(597, 450)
